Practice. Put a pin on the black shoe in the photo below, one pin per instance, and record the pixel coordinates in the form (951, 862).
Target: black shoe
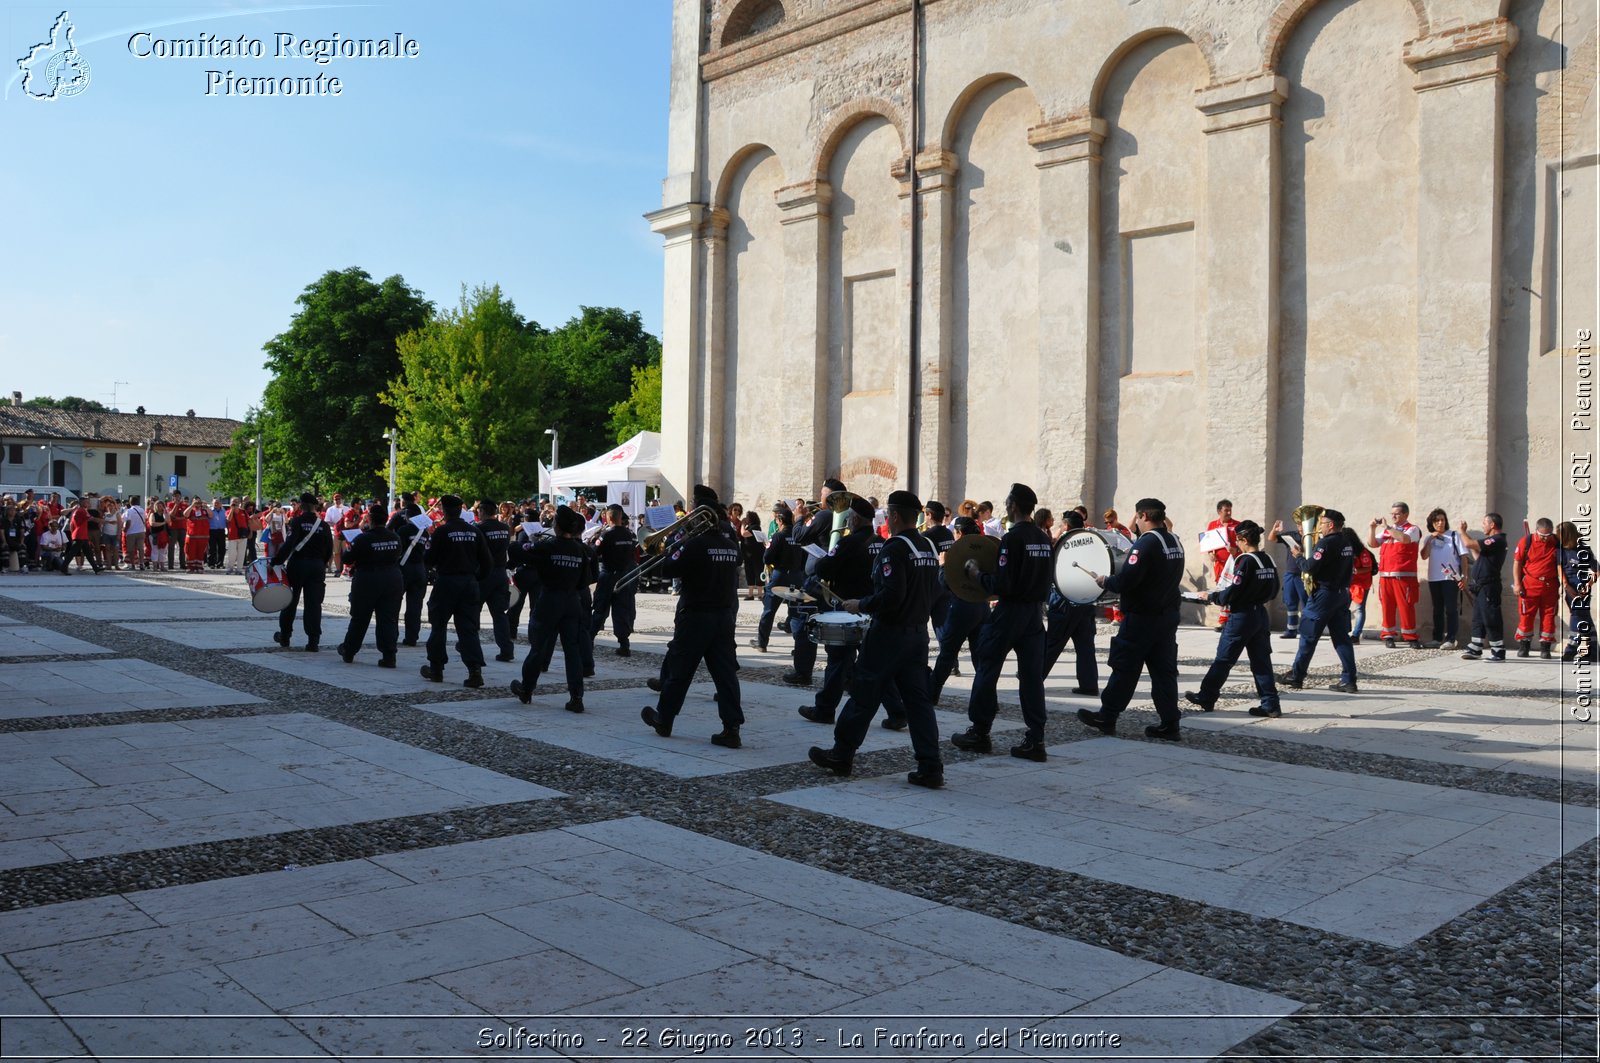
(1287, 679)
(1342, 687)
(955, 670)
(971, 741)
(505, 658)
(1103, 722)
(1497, 655)
(432, 674)
(727, 738)
(1524, 649)
(588, 673)
(624, 651)
(1388, 643)
(1544, 651)
(1167, 731)
(1271, 714)
(1194, 699)
(408, 642)
(1569, 655)
(653, 684)
(385, 662)
(574, 705)
(1290, 635)
(795, 679)
(524, 694)
(1471, 654)
(815, 715)
(347, 656)
(757, 644)
(649, 715)
(933, 780)
(1086, 692)
(280, 638)
(312, 647)
(1030, 749)
(833, 760)
(474, 679)
(894, 723)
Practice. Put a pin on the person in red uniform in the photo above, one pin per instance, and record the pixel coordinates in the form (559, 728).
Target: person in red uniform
(81, 545)
(1537, 585)
(198, 539)
(1397, 575)
(1219, 558)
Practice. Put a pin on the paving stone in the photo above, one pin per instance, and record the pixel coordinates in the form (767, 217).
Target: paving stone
(78, 688)
(25, 641)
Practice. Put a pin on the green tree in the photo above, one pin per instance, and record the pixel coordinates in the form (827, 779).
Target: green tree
(236, 467)
(323, 413)
(641, 410)
(592, 358)
(468, 397)
(67, 402)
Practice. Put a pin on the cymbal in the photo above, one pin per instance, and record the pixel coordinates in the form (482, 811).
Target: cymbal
(792, 595)
(985, 550)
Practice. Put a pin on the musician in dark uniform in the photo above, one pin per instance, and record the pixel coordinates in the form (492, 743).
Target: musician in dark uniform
(618, 556)
(1148, 638)
(524, 577)
(816, 531)
(895, 653)
(962, 620)
(1245, 596)
(307, 547)
(376, 587)
(460, 559)
(1022, 581)
(562, 563)
(781, 559)
(1068, 622)
(1331, 564)
(495, 588)
(848, 572)
(413, 567)
(708, 566)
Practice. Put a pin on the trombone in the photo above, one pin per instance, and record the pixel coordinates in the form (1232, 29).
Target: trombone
(691, 525)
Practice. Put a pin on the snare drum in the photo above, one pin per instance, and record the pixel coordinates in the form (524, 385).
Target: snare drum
(1082, 555)
(269, 592)
(837, 628)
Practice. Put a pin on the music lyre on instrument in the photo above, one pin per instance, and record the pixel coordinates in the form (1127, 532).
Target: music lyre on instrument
(691, 525)
(985, 550)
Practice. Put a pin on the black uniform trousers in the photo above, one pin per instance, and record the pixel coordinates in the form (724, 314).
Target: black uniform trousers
(843, 662)
(1019, 627)
(701, 635)
(586, 599)
(305, 577)
(454, 598)
(1328, 610)
(375, 592)
(557, 615)
(1145, 642)
(962, 622)
(1488, 625)
(769, 612)
(415, 577)
(1073, 624)
(620, 606)
(496, 591)
(1247, 632)
(892, 659)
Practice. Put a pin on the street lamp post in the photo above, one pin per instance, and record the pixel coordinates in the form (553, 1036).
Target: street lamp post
(49, 463)
(256, 442)
(393, 436)
(149, 454)
(555, 454)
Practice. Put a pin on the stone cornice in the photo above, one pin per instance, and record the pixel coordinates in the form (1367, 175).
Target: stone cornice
(784, 38)
(1076, 138)
(1461, 53)
(803, 201)
(1242, 102)
(678, 222)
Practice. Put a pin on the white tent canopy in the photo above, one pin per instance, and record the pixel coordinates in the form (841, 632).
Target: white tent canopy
(637, 459)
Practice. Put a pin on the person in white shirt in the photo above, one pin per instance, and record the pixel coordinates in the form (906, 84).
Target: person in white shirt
(988, 521)
(1448, 560)
(332, 516)
(52, 547)
(133, 526)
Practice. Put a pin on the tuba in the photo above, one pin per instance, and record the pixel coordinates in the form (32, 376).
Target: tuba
(1306, 519)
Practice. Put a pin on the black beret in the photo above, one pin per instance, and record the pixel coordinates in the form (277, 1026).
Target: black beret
(308, 499)
(704, 496)
(935, 510)
(904, 500)
(568, 521)
(965, 525)
(450, 502)
(862, 508)
(833, 484)
(1023, 495)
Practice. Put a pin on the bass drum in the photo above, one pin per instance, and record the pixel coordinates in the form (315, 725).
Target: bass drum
(1082, 555)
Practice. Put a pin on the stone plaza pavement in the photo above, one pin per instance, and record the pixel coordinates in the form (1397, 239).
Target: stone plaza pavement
(212, 847)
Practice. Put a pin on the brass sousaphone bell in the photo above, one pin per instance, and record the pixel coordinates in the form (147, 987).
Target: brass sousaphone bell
(985, 550)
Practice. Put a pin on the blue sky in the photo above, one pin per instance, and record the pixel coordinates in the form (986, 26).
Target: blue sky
(159, 236)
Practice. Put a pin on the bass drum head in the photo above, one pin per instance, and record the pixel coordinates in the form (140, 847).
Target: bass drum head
(1081, 556)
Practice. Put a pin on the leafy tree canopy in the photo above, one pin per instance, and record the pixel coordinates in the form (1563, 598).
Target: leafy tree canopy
(67, 402)
(593, 357)
(641, 410)
(323, 414)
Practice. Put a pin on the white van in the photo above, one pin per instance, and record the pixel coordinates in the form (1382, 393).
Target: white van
(16, 491)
